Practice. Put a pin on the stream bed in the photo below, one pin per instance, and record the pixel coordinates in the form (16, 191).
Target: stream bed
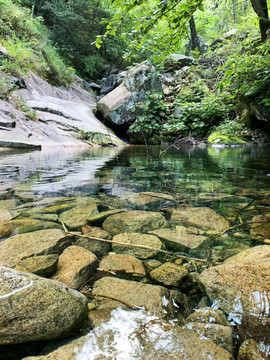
(172, 254)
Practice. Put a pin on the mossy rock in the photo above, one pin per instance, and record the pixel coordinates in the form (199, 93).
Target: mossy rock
(219, 138)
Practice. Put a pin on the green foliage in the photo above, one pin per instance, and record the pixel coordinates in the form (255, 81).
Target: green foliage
(248, 76)
(93, 137)
(20, 104)
(229, 132)
(26, 40)
(150, 118)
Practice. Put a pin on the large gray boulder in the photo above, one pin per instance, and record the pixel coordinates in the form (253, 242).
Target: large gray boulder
(33, 308)
(177, 62)
(116, 106)
(240, 287)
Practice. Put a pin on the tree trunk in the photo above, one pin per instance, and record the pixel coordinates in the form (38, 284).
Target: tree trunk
(234, 11)
(195, 41)
(260, 8)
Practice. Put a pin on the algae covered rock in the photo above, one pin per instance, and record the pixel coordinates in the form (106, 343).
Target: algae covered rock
(42, 242)
(202, 217)
(209, 315)
(153, 298)
(98, 247)
(122, 265)
(133, 239)
(43, 265)
(261, 226)
(33, 308)
(134, 221)
(75, 266)
(76, 217)
(169, 274)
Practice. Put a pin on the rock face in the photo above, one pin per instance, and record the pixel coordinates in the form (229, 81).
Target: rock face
(136, 239)
(144, 337)
(34, 308)
(43, 242)
(99, 248)
(116, 106)
(201, 217)
(60, 114)
(134, 221)
(169, 274)
(240, 287)
(155, 299)
(75, 266)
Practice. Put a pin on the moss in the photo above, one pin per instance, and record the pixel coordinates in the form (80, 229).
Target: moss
(219, 138)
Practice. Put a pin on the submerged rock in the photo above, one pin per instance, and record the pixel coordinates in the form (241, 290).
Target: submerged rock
(153, 298)
(77, 217)
(75, 266)
(250, 350)
(221, 335)
(21, 226)
(34, 308)
(182, 239)
(150, 241)
(261, 226)
(241, 287)
(201, 217)
(169, 274)
(209, 315)
(42, 242)
(43, 265)
(148, 200)
(5, 215)
(122, 265)
(134, 221)
(138, 335)
(99, 248)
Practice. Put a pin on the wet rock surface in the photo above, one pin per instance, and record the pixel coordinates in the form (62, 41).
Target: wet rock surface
(43, 242)
(169, 274)
(43, 265)
(240, 287)
(122, 264)
(38, 308)
(134, 221)
(75, 266)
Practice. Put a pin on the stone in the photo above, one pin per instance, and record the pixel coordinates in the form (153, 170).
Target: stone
(153, 298)
(43, 265)
(147, 200)
(75, 266)
(240, 287)
(169, 274)
(34, 308)
(220, 335)
(99, 248)
(231, 33)
(208, 315)
(21, 226)
(250, 350)
(5, 215)
(122, 265)
(134, 221)
(8, 204)
(150, 241)
(76, 217)
(144, 337)
(177, 61)
(42, 242)
(201, 217)
(116, 107)
(260, 225)
(182, 239)
(102, 216)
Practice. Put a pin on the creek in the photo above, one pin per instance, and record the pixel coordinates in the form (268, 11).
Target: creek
(231, 181)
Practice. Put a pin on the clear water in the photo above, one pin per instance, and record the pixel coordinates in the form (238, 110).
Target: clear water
(232, 181)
